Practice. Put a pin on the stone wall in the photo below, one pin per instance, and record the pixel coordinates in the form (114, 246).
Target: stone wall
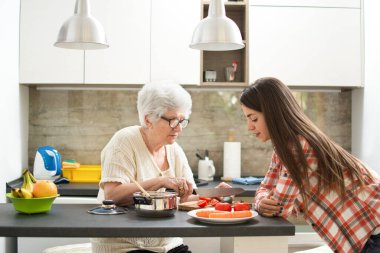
(80, 123)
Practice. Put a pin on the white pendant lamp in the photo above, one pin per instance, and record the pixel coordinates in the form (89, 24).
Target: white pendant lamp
(82, 31)
(217, 32)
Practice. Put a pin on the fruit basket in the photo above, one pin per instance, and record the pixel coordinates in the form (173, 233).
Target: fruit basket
(32, 205)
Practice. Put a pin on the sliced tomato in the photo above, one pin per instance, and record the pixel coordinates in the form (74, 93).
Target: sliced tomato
(223, 207)
(213, 202)
(242, 206)
(202, 203)
(204, 198)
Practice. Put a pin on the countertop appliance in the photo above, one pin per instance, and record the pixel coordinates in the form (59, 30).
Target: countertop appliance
(47, 164)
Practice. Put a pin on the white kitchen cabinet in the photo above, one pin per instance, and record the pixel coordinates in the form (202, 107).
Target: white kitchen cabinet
(306, 45)
(127, 27)
(37, 245)
(173, 23)
(149, 40)
(310, 3)
(40, 61)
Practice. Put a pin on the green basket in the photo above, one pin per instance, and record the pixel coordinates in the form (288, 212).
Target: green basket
(33, 205)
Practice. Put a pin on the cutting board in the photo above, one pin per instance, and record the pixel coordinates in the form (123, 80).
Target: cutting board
(188, 206)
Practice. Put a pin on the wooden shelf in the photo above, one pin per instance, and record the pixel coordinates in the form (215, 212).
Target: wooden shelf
(218, 84)
(229, 3)
(219, 60)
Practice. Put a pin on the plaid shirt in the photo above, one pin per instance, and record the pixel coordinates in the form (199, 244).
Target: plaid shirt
(344, 225)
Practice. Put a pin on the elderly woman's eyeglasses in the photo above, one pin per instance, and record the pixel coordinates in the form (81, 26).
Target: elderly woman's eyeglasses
(173, 123)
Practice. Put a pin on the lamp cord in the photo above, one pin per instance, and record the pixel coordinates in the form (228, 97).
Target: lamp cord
(84, 66)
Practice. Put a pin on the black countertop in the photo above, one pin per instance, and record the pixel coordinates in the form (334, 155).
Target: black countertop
(72, 220)
(91, 189)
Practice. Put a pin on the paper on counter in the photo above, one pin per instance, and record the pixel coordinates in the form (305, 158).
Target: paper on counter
(231, 159)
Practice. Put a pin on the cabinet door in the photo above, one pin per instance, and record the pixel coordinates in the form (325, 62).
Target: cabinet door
(173, 23)
(306, 46)
(127, 27)
(40, 61)
(309, 3)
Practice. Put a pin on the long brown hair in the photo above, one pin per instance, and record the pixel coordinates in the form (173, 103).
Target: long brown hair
(286, 121)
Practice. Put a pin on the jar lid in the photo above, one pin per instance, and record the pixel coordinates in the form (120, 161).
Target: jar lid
(108, 207)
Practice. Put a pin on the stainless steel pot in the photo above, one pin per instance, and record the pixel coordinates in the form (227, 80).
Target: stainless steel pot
(158, 204)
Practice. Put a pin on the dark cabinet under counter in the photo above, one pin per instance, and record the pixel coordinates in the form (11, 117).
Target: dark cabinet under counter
(91, 189)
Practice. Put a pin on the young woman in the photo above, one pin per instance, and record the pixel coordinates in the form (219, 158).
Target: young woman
(310, 174)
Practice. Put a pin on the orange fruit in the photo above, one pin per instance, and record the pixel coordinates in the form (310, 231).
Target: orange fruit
(44, 188)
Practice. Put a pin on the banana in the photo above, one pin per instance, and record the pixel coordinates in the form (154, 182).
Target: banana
(32, 178)
(26, 194)
(27, 186)
(19, 192)
(26, 172)
(28, 182)
(14, 192)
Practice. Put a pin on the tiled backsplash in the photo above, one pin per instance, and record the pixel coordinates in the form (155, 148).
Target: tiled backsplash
(80, 123)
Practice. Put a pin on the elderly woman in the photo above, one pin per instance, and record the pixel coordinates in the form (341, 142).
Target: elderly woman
(150, 155)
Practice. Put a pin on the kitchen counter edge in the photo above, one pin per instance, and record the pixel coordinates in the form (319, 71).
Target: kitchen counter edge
(91, 189)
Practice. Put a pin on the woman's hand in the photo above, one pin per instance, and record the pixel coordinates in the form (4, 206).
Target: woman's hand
(269, 207)
(183, 187)
(226, 198)
(223, 185)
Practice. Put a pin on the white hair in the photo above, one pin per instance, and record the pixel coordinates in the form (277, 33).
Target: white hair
(157, 98)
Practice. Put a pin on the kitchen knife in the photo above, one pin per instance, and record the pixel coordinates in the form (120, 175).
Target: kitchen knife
(218, 192)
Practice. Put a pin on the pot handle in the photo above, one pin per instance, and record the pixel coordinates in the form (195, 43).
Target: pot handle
(142, 200)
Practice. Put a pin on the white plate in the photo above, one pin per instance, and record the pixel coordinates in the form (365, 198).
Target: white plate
(193, 213)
